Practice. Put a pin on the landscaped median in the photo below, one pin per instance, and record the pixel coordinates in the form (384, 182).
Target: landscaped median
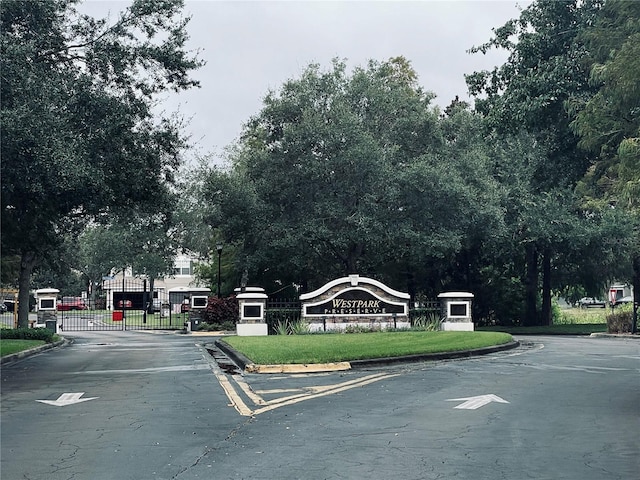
(17, 342)
(308, 353)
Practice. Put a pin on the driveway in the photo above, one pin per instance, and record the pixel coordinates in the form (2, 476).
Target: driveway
(138, 405)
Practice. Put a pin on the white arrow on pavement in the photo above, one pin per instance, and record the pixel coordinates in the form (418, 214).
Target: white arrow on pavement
(67, 399)
(471, 403)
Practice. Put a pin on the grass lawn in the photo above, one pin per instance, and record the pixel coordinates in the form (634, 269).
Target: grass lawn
(153, 320)
(327, 348)
(9, 346)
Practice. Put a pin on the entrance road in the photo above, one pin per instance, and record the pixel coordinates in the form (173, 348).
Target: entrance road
(156, 409)
(573, 412)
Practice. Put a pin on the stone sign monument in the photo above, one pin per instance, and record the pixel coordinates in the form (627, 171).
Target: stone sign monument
(355, 301)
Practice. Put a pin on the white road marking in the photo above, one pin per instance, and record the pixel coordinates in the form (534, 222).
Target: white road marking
(67, 399)
(473, 403)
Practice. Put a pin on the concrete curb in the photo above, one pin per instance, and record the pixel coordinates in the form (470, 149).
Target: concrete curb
(248, 366)
(436, 356)
(620, 336)
(32, 351)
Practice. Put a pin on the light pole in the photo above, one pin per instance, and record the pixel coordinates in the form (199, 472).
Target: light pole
(219, 249)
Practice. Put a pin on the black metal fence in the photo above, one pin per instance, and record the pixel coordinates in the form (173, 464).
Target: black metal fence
(127, 304)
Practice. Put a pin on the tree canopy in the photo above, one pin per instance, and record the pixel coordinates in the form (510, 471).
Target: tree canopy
(355, 172)
(79, 137)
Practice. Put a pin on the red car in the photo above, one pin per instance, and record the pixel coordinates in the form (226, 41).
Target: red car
(127, 303)
(71, 303)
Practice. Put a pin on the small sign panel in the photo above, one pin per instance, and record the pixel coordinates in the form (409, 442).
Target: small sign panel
(47, 304)
(199, 301)
(458, 309)
(252, 311)
(355, 302)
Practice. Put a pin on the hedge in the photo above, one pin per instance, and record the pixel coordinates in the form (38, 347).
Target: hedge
(27, 334)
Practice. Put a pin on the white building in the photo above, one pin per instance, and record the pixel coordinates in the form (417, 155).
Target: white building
(130, 290)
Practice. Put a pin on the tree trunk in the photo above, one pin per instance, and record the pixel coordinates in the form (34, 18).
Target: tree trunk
(351, 262)
(27, 262)
(411, 287)
(150, 306)
(635, 281)
(547, 317)
(531, 286)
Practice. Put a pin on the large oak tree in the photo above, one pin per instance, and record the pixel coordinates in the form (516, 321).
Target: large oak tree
(80, 139)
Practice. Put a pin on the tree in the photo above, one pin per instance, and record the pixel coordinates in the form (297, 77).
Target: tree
(608, 122)
(351, 173)
(144, 243)
(79, 137)
(548, 64)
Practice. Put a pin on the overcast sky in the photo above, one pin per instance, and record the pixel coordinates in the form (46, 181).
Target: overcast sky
(251, 47)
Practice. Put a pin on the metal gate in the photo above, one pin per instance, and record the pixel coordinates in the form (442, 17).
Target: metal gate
(121, 305)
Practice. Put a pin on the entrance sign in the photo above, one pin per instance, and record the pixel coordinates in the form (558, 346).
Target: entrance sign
(355, 301)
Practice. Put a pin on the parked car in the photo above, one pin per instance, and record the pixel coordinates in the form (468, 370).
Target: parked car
(3, 307)
(590, 302)
(624, 300)
(71, 303)
(127, 303)
(158, 305)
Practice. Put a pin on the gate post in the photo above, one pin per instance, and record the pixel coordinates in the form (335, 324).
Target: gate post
(456, 311)
(252, 304)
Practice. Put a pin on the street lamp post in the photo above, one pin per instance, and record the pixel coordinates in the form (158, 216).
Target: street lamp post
(219, 249)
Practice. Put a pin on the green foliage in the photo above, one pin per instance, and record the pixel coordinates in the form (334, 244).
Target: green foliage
(581, 316)
(280, 320)
(81, 140)
(620, 321)
(221, 312)
(354, 172)
(550, 88)
(281, 328)
(356, 328)
(43, 334)
(424, 320)
(8, 347)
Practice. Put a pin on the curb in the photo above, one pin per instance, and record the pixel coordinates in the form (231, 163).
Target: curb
(32, 351)
(620, 336)
(247, 366)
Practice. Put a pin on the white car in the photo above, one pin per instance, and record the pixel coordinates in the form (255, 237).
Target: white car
(624, 300)
(590, 302)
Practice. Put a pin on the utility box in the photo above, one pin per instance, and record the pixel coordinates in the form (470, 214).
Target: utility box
(455, 310)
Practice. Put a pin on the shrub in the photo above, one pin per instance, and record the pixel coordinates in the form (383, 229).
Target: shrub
(214, 327)
(288, 327)
(281, 328)
(27, 334)
(426, 322)
(221, 313)
(356, 328)
(620, 322)
(279, 320)
(299, 328)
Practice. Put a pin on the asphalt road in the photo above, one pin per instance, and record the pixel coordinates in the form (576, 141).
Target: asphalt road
(158, 407)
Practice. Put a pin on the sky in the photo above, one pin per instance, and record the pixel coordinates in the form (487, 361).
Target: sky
(252, 47)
